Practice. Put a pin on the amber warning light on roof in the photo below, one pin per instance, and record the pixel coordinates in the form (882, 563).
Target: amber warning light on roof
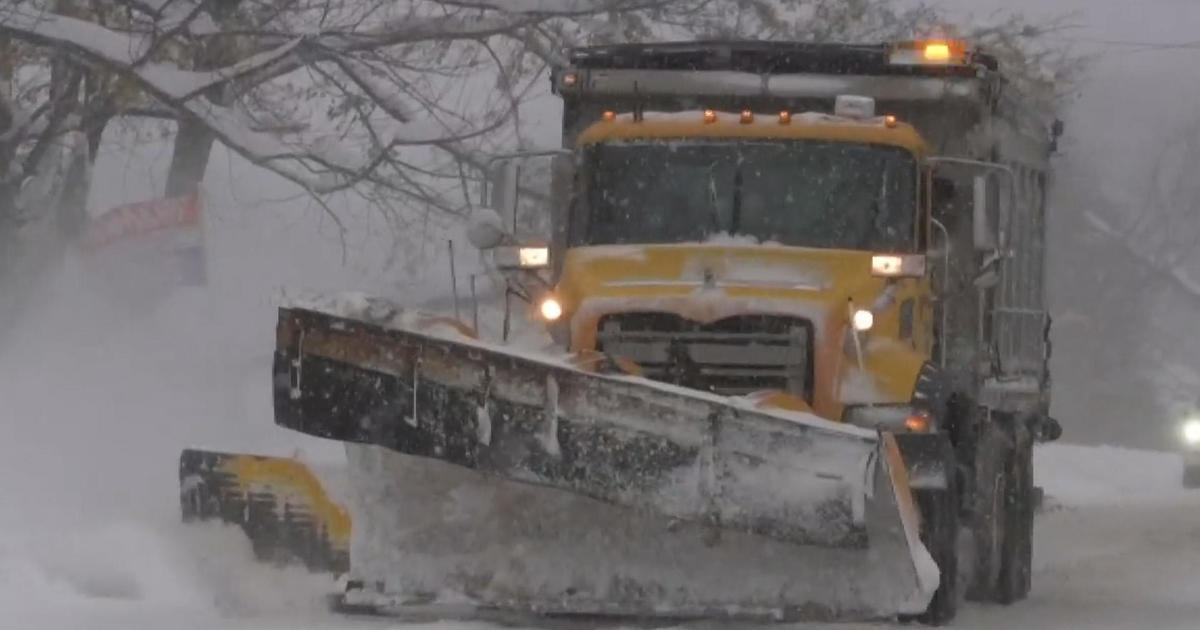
(937, 51)
(928, 53)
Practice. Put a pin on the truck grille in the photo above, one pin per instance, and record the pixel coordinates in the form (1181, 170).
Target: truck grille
(733, 356)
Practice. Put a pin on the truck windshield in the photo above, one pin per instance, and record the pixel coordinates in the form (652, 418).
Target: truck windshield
(806, 193)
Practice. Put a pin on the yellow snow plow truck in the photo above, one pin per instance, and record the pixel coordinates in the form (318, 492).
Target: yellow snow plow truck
(796, 295)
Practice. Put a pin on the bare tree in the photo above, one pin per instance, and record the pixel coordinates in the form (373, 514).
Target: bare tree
(399, 102)
(334, 94)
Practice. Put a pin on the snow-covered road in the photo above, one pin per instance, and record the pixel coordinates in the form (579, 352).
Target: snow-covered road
(1119, 547)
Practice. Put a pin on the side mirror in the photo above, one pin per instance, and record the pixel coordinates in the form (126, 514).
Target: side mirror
(562, 183)
(504, 185)
(943, 190)
(486, 229)
(1051, 430)
(982, 216)
(563, 164)
(496, 225)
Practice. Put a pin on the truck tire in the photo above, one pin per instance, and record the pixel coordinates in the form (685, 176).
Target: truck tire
(1017, 562)
(989, 518)
(939, 532)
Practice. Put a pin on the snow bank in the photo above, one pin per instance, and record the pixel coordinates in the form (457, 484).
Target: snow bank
(100, 397)
(1076, 476)
(132, 563)
(97, 410)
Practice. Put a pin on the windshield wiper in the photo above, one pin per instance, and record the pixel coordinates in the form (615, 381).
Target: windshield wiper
(714, 214)
(735, 220)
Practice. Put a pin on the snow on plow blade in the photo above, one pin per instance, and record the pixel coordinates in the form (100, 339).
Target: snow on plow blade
(279, 504)
(541, 487)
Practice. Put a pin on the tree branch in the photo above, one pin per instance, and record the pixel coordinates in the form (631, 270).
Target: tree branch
(1173, 275)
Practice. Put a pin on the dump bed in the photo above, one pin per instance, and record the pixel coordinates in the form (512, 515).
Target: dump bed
(942, 101)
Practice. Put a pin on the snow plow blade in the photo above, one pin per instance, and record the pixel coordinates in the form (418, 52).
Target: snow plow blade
(484, 478)
(278, 502)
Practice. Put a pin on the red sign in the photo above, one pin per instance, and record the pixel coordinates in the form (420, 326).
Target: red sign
(139, 219)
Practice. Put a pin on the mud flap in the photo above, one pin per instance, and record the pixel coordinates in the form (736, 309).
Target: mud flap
(539, 486)
(278, 502)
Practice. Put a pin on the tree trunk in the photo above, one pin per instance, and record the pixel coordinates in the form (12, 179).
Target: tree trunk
(193, 141)
(189, 158)
(8, 150)
(71, 217)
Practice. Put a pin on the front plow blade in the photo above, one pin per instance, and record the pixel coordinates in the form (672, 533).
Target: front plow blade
(540, 487)
(278, 502)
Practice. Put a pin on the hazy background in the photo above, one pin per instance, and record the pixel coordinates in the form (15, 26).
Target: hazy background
(97, 399)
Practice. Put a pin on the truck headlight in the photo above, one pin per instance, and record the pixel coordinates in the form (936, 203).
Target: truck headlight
(1191, 432)
(550, 309)
(863, 320)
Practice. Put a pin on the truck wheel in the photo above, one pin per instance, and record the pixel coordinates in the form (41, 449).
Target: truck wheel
(939, 532)
(989, 514)
(1017, 562)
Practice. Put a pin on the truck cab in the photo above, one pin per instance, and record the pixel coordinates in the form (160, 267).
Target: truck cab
(744, 252)
(883, 203)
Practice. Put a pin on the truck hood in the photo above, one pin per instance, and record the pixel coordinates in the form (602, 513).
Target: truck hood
(706, 282)
(709, 282)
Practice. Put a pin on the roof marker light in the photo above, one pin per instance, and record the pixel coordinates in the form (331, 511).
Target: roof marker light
(889, 120)
(610, 116)
(710, 116)
(747, 116)
(785, 117)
